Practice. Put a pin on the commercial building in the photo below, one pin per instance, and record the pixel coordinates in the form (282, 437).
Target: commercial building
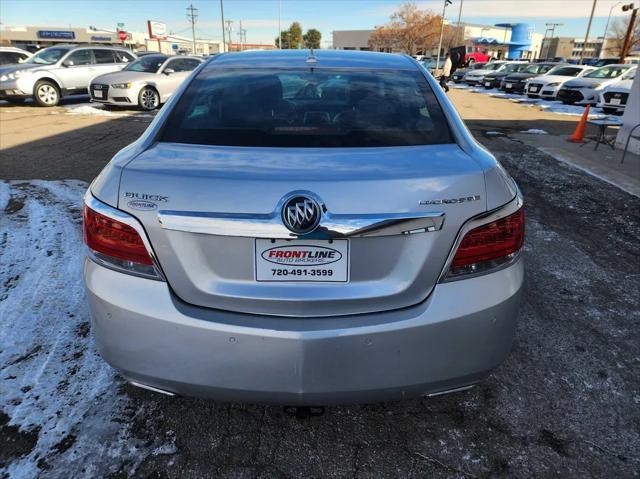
(570, 48)
(33, 38)
(505, 40)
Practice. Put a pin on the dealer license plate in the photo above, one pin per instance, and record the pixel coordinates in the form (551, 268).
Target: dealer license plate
(615, 101)
(508, 85)
(533, 89)
(487, 83)
(302, 260)
(98, 94)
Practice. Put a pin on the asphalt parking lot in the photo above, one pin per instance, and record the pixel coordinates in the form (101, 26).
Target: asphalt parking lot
(566, 403)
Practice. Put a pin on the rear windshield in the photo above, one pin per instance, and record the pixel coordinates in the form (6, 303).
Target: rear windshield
(307, 108)
(607, 72)
(565, 71)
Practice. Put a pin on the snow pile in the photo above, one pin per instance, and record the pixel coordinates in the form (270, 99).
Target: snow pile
(53, 384)
(493, 133)
(91, 109)
(571, 110)
(534, 131)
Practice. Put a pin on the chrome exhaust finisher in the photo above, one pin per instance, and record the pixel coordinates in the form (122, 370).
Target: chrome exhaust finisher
(450, 391)
(151, 388)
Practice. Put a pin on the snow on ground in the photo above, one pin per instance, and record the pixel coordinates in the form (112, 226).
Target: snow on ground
(572, 110)
(97, 109)
(534, 131)
(53, 385)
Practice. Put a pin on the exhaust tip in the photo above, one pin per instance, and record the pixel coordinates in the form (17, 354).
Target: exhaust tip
(151, 388)
(450, 391)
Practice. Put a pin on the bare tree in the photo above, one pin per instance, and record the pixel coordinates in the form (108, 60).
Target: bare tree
(617, 33)
(410, 30)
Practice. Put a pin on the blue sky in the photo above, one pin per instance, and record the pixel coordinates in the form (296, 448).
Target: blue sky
(260, 17)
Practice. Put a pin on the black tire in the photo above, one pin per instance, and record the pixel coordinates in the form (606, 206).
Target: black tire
(470, 62)
(46, 93)
(148, 99)
(565, 102)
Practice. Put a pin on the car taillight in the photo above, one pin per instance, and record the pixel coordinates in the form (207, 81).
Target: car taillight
(116, 244)
(489, 246)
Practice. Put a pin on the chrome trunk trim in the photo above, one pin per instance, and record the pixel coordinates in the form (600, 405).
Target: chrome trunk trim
(271, 226)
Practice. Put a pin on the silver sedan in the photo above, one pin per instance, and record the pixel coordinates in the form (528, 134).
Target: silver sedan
(147, 82)
(305, 229)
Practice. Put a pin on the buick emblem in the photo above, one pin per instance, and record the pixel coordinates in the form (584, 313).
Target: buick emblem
(301, 214)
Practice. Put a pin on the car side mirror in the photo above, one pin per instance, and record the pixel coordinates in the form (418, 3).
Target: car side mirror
(168, 71)
(68, 63)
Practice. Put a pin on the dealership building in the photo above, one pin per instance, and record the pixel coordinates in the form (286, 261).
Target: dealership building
(505, 40)
(33, 38)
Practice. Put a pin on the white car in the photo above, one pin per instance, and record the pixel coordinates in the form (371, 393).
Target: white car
(13, 56)
(613, 98)
(546, 86)
(474, 77)
(147, 82)
(586, 90)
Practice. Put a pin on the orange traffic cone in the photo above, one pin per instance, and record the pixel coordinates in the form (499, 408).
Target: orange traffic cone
(578, 135)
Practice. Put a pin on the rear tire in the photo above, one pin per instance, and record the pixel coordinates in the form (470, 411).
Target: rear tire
(46, 93)
(148, 99)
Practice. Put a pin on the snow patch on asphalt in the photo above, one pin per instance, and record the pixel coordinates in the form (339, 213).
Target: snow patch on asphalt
(96, 109)
(535, 131)
(53, 384)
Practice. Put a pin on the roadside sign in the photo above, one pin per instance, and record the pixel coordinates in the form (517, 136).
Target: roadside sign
(122, 35)
(120, 25)
(174, 46)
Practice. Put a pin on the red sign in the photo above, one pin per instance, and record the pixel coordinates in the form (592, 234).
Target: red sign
(122, 35)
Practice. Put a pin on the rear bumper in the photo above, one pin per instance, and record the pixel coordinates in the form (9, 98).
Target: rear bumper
(453, 339)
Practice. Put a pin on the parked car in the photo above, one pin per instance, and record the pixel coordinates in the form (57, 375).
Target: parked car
(494, 78)
(147, 82)
(613, 98)
(61, 70)
(474, 77)
(253, 244)
(586, 90)
(546, 86)
(430, 64)
(458, 75)
(13, 56)
(475, 55)
(515, 82)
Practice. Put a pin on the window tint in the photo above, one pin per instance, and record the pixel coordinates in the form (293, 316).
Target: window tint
(304, 108)
(104, 56)
(565, 71)
(123, 57)
(9, 58)
(606, 72)
(80, 57)
(183, 64)
(147, 64)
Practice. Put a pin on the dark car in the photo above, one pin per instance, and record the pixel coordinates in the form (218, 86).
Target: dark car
(458, 75)
(515, 82)
(494, 79)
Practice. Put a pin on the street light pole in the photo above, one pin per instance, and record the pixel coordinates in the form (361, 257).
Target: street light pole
(458, 22)
(444, 11)
(606, 28)
(586, 37)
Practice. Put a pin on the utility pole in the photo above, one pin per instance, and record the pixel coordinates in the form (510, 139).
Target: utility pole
(242, 36)
(458, 23)
(632, 23)
(222, 19)
(552, 27)
(192, 16)
(229, 29)
(586, 37)
(606, 29)
(444, 12)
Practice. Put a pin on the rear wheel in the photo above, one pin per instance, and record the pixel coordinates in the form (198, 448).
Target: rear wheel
(46, 93)
(148, 99)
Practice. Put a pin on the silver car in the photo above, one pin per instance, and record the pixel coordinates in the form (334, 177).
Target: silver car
(305, 229)
(146, 82)
(61, 70)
